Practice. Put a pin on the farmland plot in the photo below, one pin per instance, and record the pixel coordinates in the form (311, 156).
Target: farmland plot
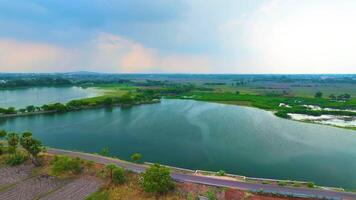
(9, 175)
(76, 190)
(32, 188)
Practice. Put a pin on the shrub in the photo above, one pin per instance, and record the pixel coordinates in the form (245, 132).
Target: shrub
(136, 157)
(98, 195)
(12, 141)
(118, 175)
(282, 114)
(210, 195)
(157, 179)
(16, 158)
(281, 183)
(220, 173)
(296, 184)
(105, 151)
(310, 185)
(65, 164)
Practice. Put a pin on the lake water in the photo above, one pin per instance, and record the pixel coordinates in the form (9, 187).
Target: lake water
(39, 96)
(199, 135)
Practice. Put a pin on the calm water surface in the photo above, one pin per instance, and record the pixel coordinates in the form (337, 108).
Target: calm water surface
(38, 96)
(208, 136)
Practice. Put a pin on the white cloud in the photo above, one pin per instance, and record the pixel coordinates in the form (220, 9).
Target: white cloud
(295, 37)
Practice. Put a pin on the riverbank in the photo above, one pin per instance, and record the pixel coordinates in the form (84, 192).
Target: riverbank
(285, 107)
(256, 185)
(80, 104)
(80, 176)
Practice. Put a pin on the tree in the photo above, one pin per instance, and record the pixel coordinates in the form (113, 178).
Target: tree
(108, 101)
(126, 99)
(118, 175)
(237, 92)
(30, 108)
(136, 157)
(32, 146)
(110, 168)
(318, 95)
(10, 110)
(332, 97)
(12, 141)
(104, 151)
(157, 179)
(2, 134)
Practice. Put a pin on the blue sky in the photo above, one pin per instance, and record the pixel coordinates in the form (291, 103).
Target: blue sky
(180, 36)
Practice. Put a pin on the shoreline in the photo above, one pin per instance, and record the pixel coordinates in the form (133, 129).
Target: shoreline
(236, 103)
(83, 108)
(268, 186)
(248, 104)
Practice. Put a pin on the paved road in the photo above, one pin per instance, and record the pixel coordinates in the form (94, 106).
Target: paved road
(302, 192)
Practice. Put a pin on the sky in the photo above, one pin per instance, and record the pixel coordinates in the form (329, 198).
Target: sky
(178, 36)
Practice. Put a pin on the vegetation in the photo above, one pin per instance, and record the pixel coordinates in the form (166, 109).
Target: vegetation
(118, 175)
(3, 134)
(220, 173)
(110, 168)
(282, 183)
(210, 195)
(157, 179)
(16, 158)
(318, 95)
(105, 151)
(310, 185)
(99, 195)
(12, 141)
(136, 157)
(64, 164)
(32, 146)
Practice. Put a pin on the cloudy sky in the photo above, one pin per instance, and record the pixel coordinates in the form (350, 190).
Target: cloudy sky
(178, 36)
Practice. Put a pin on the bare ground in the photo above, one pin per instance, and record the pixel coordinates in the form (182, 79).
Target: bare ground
(10, 175)
(32, 188)
(77, 189)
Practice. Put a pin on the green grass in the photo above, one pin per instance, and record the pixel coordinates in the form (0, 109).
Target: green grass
(98, 195)
(268, 102)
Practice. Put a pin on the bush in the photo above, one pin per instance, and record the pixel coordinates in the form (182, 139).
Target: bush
(118, 175)
(310, 185)
(210, 195)
(98, 195)
(65, 164)
(281, 183)
(220, 173)
(136, 157)
(157, 179)
(15, 159)
(282, 114)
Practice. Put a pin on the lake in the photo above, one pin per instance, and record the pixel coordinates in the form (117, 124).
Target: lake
(209, 136)
(39, 96)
